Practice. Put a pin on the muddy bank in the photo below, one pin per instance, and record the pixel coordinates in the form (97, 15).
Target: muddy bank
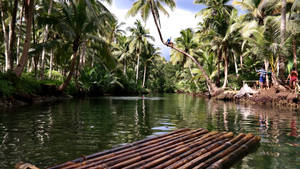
(49, 94)
(270, 96)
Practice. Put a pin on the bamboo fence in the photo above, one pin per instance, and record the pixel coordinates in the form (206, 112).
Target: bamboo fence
(183, 148)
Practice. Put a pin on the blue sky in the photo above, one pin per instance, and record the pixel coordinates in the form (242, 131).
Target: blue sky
(182, 17)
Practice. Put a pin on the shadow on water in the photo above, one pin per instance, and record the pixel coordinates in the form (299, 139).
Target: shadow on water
(47, 135)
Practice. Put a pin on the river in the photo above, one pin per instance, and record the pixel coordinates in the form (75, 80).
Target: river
(50, 134)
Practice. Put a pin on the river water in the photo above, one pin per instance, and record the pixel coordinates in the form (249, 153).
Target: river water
(46, 135)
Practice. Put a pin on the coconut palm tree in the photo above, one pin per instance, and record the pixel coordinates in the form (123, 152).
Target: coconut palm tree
(155, 6)
(138, 42)
(151, 54)
(187, 43)
(79, 20)
(9, 31)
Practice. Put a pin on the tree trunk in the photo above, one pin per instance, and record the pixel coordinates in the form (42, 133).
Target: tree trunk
(72, 68)
(241, 61)
(144, 79)
(28, 17)
(6, 40)
(124, 69)
(219, 53)
(266, 68)
(214, 90)
(12, 35)
(235, 65)
(45, 39)
(225, 69)
(295, 52)
(193, 76)
(19, 35)
(137, 69)
(51, 64)
(282, 36)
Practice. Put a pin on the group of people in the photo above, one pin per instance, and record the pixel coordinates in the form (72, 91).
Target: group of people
(292, 77)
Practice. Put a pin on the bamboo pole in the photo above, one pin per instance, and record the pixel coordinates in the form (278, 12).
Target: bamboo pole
(209, 153)
(129, 158)
(223, 153)
(153, 140)
(118, 148)
(196, 154)
(196, 145)
(202, 144)
(169, 152)
(235, 154)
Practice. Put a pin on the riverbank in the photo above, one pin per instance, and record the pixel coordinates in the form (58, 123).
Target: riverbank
(48, 94)
(271, 96)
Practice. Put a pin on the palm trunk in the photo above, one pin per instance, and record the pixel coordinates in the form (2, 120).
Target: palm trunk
(219, 53)
(51, 64)
(282, 36)
(193, 77)
(144, 79)
(235, 65)
(241, 61)
(124, 69)
(19, 36)
(72, 68)
(6, 40)
(225, 70)
(266, 68)
(137, 69)
(12, 35)
(28, 17)
(45, 39)
(295, 52)
(214, 89)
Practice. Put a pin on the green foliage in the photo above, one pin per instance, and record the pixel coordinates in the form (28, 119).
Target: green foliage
(10, 84)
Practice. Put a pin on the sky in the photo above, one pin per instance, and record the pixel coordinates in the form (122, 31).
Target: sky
(182, 17)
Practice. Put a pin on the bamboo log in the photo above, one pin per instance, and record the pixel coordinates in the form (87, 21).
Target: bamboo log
(193, 146)
(136, 148)
(235, 154)
(123, 160)
(118, 148)
(196, 154)
(170, 152)
(208, 154)
(203, 143)
(223, 153)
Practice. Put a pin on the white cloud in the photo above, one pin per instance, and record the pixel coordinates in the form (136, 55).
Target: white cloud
(170, 26)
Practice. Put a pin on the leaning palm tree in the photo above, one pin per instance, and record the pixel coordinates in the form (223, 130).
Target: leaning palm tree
(155, 6)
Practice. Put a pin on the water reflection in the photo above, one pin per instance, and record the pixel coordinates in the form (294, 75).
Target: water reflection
(50, 134)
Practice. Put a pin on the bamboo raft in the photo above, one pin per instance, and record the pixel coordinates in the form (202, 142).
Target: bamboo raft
(183, 148)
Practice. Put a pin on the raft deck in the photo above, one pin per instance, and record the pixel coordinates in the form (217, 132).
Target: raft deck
(183, 148)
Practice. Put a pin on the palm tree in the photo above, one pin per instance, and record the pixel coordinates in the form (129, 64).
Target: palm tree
(187, 43)
(154, 6)
(28, 5)
(45, 39)
(151, 54)
(80, 20)
(9, 34)
(258, 9)
(121, 51)
(139, 41)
